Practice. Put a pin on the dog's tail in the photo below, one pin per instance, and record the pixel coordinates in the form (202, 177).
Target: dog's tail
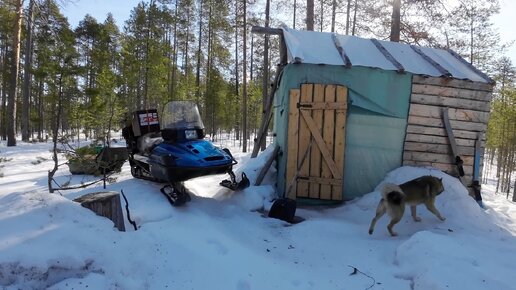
(392, 194)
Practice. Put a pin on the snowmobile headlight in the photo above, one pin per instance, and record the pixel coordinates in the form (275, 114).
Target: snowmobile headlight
(191, 134)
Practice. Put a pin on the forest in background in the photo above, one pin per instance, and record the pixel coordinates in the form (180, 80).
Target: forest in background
(85, 79)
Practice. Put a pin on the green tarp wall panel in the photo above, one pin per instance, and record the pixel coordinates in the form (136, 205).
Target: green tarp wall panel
(376, 120)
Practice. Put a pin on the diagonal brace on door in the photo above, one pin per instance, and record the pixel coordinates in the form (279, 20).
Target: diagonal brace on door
(294, 178)
(322, 145)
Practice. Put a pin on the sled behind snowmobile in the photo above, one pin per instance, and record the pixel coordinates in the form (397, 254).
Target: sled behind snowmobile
(172, 149)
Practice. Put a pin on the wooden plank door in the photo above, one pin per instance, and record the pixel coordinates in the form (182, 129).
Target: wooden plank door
(316, 142)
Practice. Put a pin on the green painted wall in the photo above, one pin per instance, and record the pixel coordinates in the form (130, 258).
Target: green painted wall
(376, 120)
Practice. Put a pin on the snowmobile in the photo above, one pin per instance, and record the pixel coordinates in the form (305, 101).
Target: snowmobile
(172, 149)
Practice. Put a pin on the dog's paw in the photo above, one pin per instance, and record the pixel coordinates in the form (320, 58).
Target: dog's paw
(394, 234)
(417, 219)
(442, 218)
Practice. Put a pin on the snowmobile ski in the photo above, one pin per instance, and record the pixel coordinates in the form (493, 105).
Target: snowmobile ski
(176, 193)
(233, 185)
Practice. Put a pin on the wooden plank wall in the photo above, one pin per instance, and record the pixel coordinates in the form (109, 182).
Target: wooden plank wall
(426, 141)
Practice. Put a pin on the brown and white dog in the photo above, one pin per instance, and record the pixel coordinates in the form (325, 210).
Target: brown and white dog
(422, 190)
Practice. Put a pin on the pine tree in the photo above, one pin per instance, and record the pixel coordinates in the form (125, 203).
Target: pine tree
(27, 77)
(13, 82)
(501, 130)
(8, 16)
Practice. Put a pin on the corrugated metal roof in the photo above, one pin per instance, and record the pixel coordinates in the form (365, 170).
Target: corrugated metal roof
(333, 49)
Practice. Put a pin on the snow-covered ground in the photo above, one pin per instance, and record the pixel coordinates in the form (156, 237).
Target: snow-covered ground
(222, 240)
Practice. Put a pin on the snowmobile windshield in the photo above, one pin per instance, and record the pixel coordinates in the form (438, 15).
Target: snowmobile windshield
(181, 115)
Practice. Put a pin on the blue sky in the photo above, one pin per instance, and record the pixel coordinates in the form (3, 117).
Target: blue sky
(506, 24)
(75, 11)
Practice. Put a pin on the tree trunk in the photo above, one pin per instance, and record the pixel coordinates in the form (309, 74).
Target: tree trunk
(294, 16)
(251, 77)
(40, 110)
(471, 39)
(174, 60)
(355, 17)
(27, 75)
(169, 59)
(210, 102)
(310, 15)
(54, 134)
(237, 84)
(3, 75)
(395, 21)
(333, 14)
(265, 80)
(106, 204)
(244, 84)
(514, 192)
(11, 109)
(348, 16)
(498, 166)
(147, 52)
(509, 170)
(322, 14)
(199, 50)
(187, 43)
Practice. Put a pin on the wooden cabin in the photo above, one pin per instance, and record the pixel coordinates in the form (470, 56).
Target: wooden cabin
(348, 110)
(426, 140)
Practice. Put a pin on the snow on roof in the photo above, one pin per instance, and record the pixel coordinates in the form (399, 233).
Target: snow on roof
(333, 49)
